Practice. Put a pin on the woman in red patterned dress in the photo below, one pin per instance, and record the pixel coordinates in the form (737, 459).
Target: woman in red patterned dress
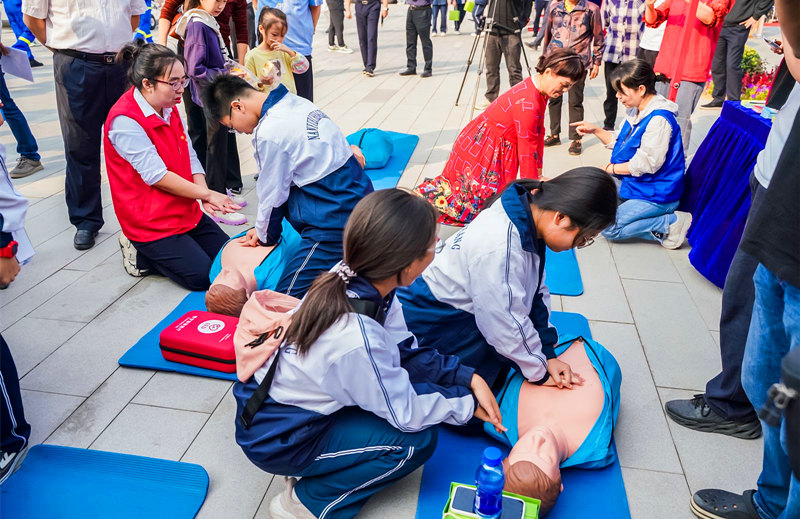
(502, 144)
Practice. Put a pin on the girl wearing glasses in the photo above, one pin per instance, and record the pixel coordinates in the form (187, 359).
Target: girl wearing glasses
(647, 159)
(155, 177)
(484, 296)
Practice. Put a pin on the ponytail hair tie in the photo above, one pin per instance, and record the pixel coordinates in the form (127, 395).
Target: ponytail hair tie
(344, 271)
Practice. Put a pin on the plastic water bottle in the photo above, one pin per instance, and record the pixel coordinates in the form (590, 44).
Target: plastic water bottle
(490, 481)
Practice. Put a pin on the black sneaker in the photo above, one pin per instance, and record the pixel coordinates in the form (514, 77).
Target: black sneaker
(35, 63)
(714, 104)
(575, 148)
(711, 503)
(9, 461)
(408, 72)
(552, 140)
(696, 414)
(426, 73)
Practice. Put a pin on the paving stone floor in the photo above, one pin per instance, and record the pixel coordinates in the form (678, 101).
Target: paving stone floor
(70, 314)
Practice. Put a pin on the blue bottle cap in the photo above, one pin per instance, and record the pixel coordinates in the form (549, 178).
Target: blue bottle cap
(492, 456)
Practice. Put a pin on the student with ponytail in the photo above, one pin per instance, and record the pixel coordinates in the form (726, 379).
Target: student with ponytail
(155, 177)
(353, 399)
(484, 297)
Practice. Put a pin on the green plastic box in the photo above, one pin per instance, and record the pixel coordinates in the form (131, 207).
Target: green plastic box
(531, 505)
(454, 15)
(469, 6)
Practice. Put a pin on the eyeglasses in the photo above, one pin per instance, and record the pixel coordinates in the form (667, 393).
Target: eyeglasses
(585, 242)
(177, 84)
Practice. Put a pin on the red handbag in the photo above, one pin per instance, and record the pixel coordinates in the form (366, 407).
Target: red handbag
(201, 339)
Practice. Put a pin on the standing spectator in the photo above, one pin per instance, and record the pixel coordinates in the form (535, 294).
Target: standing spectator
(367, 13)
(336, 27)
(537, 41)
(85, 37)
(29, 161)
(477, 15)
(439, 16)
(15, 249)
(650, 42)
(726, 69)
(696, 57)
(458, 6)
(418, 24)
(235, 10)
(505, 39)
(540, 6)
(252, 30)
(622, 20)
(145, 29)
(576, 25)
(24, 35)
(302, 16)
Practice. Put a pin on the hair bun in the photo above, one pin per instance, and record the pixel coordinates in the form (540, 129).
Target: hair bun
(130, 51)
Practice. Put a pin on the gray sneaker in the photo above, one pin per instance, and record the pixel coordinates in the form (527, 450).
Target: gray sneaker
(129, 256)
(26, 167)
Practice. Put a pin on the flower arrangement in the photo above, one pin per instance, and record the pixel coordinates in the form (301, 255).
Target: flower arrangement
(757, 80)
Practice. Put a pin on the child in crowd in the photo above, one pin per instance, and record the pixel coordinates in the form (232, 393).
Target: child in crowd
(308, 173)
(353, 401)
(207, 57)
(272, 62)
(648, 160)
(484, 298)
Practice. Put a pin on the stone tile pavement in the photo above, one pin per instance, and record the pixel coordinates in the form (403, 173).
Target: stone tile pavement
(70, 314)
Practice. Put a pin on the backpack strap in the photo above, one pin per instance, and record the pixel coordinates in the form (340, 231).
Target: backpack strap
(260, 395)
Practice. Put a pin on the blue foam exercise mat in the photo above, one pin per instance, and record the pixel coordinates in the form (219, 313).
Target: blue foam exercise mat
(587, 493)
(562, 274)
(147, 354)
(66, 482)
(403, 147)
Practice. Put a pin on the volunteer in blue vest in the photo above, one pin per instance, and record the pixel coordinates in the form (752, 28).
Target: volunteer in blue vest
(484, 298)
(155, 177)
(307, 173)
(352, 400)
(647, 160)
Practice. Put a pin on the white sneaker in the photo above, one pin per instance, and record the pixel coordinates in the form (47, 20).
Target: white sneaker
(236, 199)
(333, 48)
(482, 105)
(229, 218)
(677, 231)
(287, 505)
(344, 49)
(456, 31)
(434, 34)
(10, 461)
(129, 256)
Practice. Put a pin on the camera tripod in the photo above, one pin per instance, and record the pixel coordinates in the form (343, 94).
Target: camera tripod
(486, 29)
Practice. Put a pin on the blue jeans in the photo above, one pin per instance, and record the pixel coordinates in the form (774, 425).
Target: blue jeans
(640, 219)
(26, 143)
(439, 11)
(364, 455)
(774, 330)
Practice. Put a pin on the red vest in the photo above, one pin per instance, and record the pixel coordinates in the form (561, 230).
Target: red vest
(147, 213)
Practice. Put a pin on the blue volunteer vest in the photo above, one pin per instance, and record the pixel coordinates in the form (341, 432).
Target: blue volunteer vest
(666, 184)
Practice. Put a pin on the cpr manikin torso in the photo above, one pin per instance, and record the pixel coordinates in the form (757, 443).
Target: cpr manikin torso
(236, 280)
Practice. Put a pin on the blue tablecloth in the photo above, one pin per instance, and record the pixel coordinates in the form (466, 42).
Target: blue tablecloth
(717, 191)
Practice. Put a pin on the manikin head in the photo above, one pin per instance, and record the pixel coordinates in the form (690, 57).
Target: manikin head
(228, 293)
(532, 467)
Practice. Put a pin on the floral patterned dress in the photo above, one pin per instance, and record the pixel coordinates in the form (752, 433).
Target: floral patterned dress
(502, 144)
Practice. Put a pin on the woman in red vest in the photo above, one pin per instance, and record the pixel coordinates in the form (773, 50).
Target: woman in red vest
(155, 177)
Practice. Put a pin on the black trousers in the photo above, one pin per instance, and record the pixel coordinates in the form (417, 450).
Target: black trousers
(85, 92)
(305, 82)
(367, 17)
(575, 109)
(251, 26)
(418, 24)
(610, 104)
(14, 430)
(726, 68)
(540, 5)
(184, 258)
(336, 27)
(724, 393)
(509, 46)
(647, 55)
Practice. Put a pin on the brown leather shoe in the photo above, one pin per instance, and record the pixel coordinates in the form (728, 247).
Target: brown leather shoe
(552, 140)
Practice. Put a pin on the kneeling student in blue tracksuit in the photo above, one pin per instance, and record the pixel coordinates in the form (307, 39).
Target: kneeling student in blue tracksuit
(353, 401)
(484, 297)
(307, 173)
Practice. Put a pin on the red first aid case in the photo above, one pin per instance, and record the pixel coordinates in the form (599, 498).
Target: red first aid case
(201, 339)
